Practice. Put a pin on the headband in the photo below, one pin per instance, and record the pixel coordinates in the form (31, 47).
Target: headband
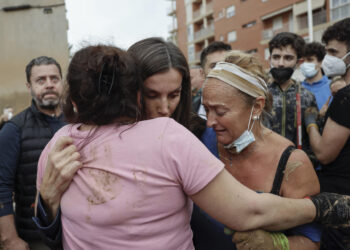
(239, 78)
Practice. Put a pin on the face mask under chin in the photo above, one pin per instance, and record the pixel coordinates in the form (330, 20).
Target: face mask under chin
(246, 138)
(281, 75)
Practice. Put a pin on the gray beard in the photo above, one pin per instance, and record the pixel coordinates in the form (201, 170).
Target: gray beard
(46, 104)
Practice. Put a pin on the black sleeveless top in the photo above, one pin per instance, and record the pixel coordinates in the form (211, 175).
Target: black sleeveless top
(208, 234)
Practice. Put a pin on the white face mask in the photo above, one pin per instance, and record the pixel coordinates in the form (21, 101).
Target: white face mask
(334, 66)
(245, 139)
(308, 69)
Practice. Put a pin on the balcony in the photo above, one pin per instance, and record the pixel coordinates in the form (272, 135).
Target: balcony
(204, 33)
(203, 12)
(318, 18)
(172, 27)
(269, 33)
(172, 9)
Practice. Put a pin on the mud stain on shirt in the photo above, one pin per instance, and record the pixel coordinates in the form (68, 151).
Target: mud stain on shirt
(105, 187)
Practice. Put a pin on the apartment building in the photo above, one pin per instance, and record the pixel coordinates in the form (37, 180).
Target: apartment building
(29, 28)
(247, 25)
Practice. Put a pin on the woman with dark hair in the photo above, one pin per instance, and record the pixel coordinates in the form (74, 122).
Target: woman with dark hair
(166, 89)
(119, 201)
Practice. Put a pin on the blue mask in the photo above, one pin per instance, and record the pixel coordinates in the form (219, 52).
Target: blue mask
(246, 138)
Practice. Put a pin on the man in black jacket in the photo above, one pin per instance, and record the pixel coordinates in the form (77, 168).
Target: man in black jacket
(21, 141)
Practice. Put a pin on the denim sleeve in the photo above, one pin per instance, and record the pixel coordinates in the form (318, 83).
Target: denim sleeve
(312, 231)
(51, 233)
(9, 153)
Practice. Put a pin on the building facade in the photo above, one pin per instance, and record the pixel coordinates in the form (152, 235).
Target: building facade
(247, 25)
(28, 29)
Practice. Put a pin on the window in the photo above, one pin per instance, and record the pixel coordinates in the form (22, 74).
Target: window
(222, 38)
(277, 23)
(248, 25)
(232, 36)
(191, 53)
(190, 33)
(339, 9)
(230, 11)
(189, 12)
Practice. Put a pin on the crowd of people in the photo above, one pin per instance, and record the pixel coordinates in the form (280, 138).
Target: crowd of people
(139, 151)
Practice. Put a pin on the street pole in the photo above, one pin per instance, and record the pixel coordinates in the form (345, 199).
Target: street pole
(309, 19)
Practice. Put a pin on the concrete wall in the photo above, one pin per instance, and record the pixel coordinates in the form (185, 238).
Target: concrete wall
(24, 35)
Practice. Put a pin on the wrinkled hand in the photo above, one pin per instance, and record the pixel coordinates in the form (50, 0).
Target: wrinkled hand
(310, 116)
(259, 240)
(62, 164)
(15, 243)
(332, 209)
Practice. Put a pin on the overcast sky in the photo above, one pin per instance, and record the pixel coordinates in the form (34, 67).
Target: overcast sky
(118, 22)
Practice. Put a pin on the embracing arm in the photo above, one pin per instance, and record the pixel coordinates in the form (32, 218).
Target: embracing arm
(62, 164)
(228, 201)
(328, 146)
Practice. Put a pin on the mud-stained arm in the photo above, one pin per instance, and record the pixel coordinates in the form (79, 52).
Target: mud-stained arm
(300, 179)
(231, 203)
(62, 164)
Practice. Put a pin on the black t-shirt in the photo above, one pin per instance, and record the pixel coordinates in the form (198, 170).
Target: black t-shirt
(335, 176)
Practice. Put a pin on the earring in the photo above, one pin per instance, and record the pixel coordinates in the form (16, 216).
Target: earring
(256, 117)
(75, 110)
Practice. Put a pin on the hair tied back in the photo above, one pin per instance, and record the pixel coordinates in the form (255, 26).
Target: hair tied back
(106, 79)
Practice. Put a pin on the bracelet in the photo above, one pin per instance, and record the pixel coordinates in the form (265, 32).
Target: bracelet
(311, 125)
(280, 241)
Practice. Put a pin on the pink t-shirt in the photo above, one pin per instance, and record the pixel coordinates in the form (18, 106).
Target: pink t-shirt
(131, 192)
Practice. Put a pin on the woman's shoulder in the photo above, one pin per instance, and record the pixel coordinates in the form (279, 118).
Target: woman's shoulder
(300, 178)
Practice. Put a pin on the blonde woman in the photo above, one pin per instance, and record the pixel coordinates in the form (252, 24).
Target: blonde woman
(235, 97)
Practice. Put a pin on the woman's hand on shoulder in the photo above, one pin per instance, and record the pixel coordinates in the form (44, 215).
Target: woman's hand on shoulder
(62, 164)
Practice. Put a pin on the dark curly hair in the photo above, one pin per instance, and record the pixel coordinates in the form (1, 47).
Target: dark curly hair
(158, 56)
(103, 82)
(213, 47)
(315, 49)
(339, 31)
(284, 39)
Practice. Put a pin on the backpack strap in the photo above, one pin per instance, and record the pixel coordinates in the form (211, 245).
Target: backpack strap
(277, 182)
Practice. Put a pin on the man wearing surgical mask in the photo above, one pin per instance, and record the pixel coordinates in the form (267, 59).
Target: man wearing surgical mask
(286, 50)
(314, 81)
(332, 148)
